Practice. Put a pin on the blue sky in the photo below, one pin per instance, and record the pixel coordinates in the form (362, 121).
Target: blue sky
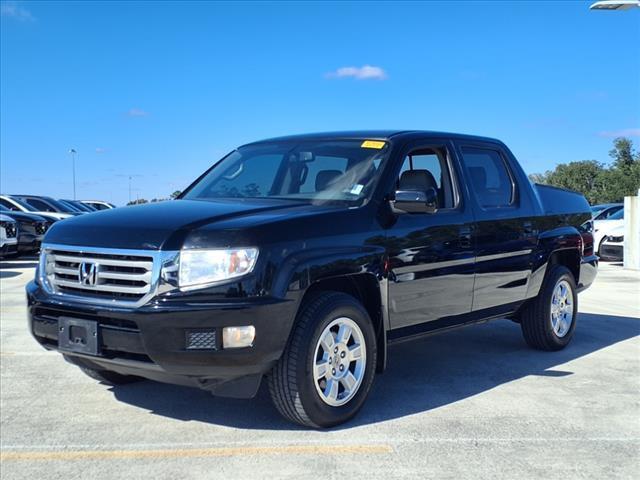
(161, 90)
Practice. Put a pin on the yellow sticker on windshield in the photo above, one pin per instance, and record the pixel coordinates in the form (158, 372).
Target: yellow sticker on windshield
(372, 144)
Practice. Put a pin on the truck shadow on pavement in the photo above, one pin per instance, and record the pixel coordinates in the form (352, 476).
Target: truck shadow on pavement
(8, 267)
(421, 375)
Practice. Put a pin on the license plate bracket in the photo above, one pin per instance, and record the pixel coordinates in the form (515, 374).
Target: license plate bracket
(77, 335)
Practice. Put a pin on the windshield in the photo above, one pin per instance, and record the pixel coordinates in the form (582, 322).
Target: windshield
(69, 206)
(324, 171)
(24, 205)
(606, 213)
(617, 216)
(84, 206)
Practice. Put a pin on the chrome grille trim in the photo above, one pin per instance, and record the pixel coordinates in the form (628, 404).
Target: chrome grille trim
(119, 277)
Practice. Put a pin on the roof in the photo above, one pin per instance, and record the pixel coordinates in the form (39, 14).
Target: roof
(371, 135)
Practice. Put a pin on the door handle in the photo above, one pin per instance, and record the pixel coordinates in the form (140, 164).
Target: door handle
(464, 237)
(529, 230)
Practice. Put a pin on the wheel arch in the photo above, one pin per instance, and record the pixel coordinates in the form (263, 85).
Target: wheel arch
(570, 258)
(366, 289)
(559, 246)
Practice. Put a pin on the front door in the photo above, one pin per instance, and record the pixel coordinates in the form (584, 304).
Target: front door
(431, 255)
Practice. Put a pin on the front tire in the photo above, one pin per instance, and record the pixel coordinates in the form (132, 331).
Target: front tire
(549, 321)
(327, 369)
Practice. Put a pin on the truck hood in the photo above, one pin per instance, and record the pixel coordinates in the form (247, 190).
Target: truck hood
(163, 225)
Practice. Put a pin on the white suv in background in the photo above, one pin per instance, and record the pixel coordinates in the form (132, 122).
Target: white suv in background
(99, 204)
(613, 245)
(603, 228)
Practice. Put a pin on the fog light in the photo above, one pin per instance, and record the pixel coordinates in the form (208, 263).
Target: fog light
(238, 337)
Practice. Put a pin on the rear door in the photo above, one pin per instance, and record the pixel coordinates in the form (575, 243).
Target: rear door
(431, 255)
(505, 226)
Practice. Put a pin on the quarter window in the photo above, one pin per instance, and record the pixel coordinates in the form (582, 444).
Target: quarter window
(490, 178)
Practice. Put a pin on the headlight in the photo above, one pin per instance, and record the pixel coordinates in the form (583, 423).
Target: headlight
(201, 267)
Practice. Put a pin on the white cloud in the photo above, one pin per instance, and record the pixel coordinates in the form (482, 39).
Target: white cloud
(625, 132)
(137, 112)
(14, 10)
(366, 72)
(100, 150)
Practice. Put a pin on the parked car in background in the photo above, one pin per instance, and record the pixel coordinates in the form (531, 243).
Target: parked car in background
(72, 206)
(79, 205)
(603, 212)
(99, 204)
(47, 204)
(613, 245)
(17, 205)
(8, 236)
(31, 230)
(603, 228)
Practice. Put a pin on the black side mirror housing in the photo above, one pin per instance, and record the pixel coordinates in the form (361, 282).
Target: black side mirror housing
(411, 201)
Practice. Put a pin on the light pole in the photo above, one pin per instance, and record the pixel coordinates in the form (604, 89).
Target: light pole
(615, 4)
(73, 163)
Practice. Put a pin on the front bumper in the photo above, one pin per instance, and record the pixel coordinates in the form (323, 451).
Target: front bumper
(150, 341)
(29, 243)
(9, 249)
(612, 252)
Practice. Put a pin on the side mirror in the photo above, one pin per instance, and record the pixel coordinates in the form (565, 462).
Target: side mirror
(411, 201)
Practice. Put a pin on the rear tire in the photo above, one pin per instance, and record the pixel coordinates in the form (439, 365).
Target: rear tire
(549, 320)
(327, 369)
(110, 378)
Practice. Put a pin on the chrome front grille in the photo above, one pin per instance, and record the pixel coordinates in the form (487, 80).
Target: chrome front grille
(127, 277)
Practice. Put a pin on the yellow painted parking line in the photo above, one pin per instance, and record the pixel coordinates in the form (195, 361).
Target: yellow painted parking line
(196, 452)
(27, 354)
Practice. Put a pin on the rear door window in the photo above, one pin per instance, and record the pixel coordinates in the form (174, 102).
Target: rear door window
(489, 176)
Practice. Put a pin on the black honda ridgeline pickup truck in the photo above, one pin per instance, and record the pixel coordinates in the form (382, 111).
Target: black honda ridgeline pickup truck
(301, 258)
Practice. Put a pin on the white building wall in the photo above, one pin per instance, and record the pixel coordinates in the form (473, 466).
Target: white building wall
(632, 232)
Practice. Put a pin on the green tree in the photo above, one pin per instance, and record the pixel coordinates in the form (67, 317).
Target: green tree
(542, 178)
(175, 194)
(623, 153)
(623, 178)
(599, 184)
(139, 201)
(584, 176)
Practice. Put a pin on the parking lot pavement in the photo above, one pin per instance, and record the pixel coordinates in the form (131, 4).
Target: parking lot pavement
(471, 403)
